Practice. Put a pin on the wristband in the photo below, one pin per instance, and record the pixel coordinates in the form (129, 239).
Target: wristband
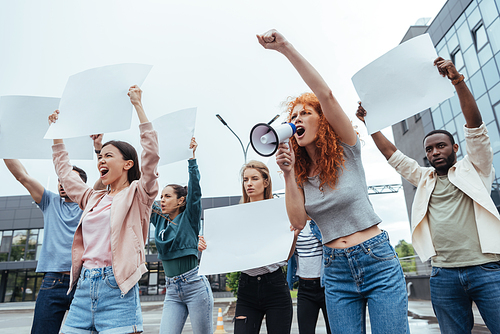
(459, 80)
(97, 151)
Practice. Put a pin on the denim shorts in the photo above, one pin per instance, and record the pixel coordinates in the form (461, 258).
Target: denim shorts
(100, 307)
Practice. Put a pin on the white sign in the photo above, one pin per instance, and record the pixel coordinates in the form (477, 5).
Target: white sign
(96, 101)
(401, 83)
(175, 131)
(245, 236)
(24, 121)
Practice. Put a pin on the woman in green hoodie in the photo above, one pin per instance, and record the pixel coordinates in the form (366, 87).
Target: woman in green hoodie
(177, 223)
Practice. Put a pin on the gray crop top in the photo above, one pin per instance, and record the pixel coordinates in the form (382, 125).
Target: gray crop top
(346, 209)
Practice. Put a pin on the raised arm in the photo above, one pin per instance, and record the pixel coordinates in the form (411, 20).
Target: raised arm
(34, 187)
(193, 200)
(338, 120)
(135, 94)
(468, 104)
(383, 144)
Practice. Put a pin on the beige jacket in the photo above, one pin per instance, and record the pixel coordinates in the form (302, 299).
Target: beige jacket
(130, 212)
(473, 175)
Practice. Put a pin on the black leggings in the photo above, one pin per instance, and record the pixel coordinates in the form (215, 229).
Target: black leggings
(310, 299)
(261, 295)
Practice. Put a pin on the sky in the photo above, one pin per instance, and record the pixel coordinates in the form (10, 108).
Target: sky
(205, 55)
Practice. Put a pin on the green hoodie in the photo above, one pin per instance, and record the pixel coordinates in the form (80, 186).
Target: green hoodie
(180, 238)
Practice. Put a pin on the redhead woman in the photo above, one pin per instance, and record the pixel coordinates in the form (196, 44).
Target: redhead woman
(264, 290)
(325, 180)
(108, 247)
(177, 224)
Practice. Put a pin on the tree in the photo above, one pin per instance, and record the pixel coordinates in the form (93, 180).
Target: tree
(405, 250)
(232, 280)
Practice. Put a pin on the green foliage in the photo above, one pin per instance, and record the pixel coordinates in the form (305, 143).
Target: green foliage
(232, 280)
(405, 249)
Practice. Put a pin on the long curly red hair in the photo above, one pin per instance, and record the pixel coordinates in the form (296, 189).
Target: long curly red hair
(329, 151)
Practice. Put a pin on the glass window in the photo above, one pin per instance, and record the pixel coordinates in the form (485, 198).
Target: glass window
(459, 122)
(490, 73)
(464, 36)
(480, 38)
(460, 20)
(446, 111)
(455, 105)
(441, 44)
(488, 11)
(436, 117)
(477, 84)
(494, 94)
(471, 61)
(485, 108)
(457, 59)
(417, 117)
(471, 8)
(494, 136)
(452, 42)
(494, 35)
(450, 127)
(497, 112)
(485, 54)
(496, 163)
(474, 18)
(17, 252)
(404, 126)
(5, 240)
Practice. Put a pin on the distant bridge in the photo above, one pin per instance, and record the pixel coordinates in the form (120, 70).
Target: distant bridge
(372, 190)
(384, 189)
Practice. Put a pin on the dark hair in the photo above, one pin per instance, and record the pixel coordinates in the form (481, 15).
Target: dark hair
(128, 153)
(180, 191)
(433, 132)
(82, 173)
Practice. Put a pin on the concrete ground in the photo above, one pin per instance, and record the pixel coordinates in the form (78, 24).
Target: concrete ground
(17, 318)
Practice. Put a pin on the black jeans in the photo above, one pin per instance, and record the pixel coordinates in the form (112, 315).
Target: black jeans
(310, 299)
(267, 295)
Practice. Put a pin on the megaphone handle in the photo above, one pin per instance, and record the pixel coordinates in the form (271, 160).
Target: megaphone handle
(286, 142)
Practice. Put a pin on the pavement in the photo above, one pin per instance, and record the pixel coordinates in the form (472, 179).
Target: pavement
(17, 317)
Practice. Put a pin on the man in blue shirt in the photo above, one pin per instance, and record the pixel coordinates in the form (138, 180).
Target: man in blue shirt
(61, 217)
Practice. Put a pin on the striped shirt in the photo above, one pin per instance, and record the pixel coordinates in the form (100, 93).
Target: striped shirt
(310, 254)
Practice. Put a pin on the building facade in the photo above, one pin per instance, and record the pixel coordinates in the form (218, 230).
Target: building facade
(21, 238)
(468, 33)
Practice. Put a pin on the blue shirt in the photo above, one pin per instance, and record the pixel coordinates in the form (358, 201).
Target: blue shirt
(60, 220)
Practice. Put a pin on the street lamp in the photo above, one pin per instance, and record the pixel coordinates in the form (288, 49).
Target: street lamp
(245, 150)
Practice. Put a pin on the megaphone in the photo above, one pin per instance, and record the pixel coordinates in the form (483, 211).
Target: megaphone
(265, 139)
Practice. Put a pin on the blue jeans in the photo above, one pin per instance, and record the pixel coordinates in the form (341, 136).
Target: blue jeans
(51, 304)
(100, 307)
(191, 294)
(261, 295)
(365, 274)
(454, 289)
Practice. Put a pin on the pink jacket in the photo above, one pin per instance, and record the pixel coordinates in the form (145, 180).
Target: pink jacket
(130, 212)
